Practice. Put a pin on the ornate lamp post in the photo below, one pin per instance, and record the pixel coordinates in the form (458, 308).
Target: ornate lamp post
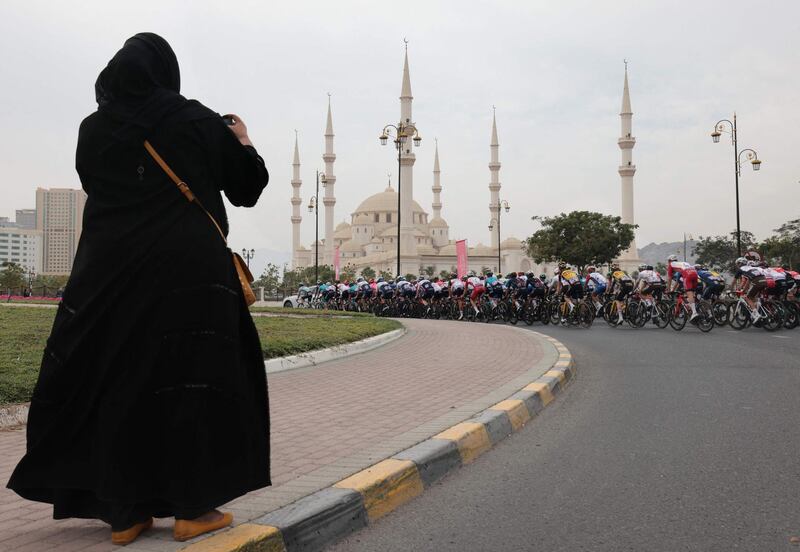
(313, 207)
(724, 125)
(501, 204)
(402, 132)
(247, 255)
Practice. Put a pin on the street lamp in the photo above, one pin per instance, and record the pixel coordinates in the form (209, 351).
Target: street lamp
(724, 125)
(685, 258)
(248, 255)
(501, 204)
(313, 207)
(402, 132)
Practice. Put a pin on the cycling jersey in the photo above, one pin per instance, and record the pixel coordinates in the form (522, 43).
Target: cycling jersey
(490, 280)
(476, 284)
(568, 277)
(405, 288)
(437, 287)
(384, 288)
(597, 283)
(683, 273)
(456, 283)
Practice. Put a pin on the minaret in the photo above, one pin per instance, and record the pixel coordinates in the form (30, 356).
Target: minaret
(408, 244)
(330, 180)
(494, 184)
(296, 201)
(626, 172)
(437, 186)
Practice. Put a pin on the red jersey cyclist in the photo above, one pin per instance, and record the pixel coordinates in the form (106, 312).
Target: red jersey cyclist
(682, 274)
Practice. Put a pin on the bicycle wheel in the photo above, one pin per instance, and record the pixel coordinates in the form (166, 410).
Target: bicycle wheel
(586, 315)
(661, 314)
(738, 316)
(792, 315)
(610, 315)
(678, 318)
(773, 319)
(633, 312)
(513, 314)
(705, 318)
(719, 310)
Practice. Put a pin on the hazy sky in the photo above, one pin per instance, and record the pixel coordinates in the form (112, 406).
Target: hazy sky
(553, 69)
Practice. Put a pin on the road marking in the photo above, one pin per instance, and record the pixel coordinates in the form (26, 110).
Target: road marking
(781, 336)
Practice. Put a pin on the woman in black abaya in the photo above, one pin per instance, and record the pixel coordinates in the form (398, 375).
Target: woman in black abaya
(152, 396)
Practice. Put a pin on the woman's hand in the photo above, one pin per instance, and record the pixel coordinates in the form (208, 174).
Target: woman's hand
(239, 129)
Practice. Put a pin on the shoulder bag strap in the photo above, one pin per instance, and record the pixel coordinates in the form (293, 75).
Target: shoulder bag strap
(182, 186)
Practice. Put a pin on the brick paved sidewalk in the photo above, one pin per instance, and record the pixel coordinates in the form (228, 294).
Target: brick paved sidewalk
(327, 422)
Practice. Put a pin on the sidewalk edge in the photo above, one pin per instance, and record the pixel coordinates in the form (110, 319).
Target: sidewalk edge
(324, 517)
(313, 358)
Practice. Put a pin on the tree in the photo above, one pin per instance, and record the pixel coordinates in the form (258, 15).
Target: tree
(410, 277)
(786, 245)
(429, 271)
(719, 252)
(367, 272)
(347, 273)
(270, 279)
(386, 274)
(445, 274)
(12, 276)
(579, 238)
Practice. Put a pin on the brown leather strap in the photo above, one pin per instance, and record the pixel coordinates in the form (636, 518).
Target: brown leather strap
(182, 186)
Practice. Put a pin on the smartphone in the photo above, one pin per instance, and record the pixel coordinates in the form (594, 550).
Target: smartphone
(228, 120)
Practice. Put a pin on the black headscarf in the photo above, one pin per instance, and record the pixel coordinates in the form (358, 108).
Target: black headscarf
(141, 85)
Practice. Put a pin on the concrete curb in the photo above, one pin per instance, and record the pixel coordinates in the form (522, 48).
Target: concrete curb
(326, 516)
(313, 358)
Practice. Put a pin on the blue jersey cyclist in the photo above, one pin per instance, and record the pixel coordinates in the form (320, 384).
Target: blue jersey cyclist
(597, 284)
(712, 282)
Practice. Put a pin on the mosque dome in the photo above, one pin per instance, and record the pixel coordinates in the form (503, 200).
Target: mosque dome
(438, 222)
(385, 201)
(510, 243)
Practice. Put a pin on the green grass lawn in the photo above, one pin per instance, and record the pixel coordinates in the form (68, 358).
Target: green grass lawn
(24, 332)
(308, 312)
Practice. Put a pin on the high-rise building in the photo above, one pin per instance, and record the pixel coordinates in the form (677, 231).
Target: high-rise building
(59, 216)
(22, 246)
(26, 218)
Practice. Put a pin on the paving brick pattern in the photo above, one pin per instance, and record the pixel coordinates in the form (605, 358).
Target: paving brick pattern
(327, 422)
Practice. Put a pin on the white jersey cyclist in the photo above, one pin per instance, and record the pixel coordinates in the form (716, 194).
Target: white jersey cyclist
(596, 280)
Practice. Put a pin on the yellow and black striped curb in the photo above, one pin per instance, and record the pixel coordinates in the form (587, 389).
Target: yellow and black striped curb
(322, 518)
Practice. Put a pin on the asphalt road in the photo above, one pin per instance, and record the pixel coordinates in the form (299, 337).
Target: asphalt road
(666, 441)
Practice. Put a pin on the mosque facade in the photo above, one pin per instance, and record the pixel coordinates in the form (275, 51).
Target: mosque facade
(369, 237)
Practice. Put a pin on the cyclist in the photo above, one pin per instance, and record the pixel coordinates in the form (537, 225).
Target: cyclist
(364, 291)
(713, 282)
(384, 290)
(303, 294)
(777, 287)
(495, 288)
(597, 284)
(649, 283)
(751, 281)
(475, 288)
(425, 290)
(683, 275)
(569, 283)
(620, 286)
(457, 290)
(404, 288)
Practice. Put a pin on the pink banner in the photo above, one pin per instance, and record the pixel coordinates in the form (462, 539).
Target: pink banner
(461, 257)
(336, 262)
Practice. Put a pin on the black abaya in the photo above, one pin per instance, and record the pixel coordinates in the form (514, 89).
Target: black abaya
(152, 395)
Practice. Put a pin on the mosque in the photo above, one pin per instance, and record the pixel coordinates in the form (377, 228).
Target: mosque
(370, 238)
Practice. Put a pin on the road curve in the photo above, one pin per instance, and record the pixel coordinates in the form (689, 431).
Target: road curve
(666, 441)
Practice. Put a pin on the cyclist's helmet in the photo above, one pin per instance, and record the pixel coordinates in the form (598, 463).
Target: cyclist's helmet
(614, 266)
(401, 279)
(530, 275)
(649, 267)
(380, 279)
(453, 276)
(741, 261)
(543, 277)
(489, 273)
(591, 268)
(672, 258)
(642, 267)
(471, 273)
(562, 265)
